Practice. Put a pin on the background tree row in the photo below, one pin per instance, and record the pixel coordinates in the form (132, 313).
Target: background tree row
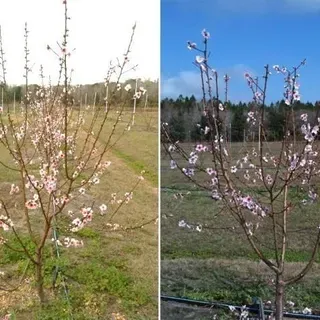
(186, 121)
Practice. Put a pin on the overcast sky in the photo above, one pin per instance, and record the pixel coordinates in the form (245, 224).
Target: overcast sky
(99, 31)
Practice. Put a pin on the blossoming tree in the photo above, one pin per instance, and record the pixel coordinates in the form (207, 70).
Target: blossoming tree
(57, 155)
(255, 186)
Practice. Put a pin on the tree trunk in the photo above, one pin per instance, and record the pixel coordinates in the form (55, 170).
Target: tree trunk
(39, 277)
(279, 297)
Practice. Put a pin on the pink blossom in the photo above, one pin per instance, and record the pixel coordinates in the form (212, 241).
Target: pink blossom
(191, 45)
(103, 208)
(31, 204)
(205, 34)
(199, 59)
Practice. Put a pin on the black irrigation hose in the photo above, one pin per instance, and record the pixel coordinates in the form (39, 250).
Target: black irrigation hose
(208, 304)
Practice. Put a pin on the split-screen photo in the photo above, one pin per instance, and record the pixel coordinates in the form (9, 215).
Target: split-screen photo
(159, 160)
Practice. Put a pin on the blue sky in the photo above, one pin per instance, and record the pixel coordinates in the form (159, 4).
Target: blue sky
(245, 35)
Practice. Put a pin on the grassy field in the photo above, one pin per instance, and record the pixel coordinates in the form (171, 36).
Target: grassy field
(218, 264)
(173, 311)
(116, 271)
(140, 147)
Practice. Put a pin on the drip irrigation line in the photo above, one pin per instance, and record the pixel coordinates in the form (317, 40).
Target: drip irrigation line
(253, 309)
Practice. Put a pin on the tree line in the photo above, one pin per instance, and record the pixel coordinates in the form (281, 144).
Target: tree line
(186, 120)
(88, 94)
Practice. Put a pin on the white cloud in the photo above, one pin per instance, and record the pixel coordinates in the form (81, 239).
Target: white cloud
(304, 5)
(99, 30)
(187, 83)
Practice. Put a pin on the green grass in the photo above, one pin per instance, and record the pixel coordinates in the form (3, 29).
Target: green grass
(115, 271)
(197, 264)
(221, 280)
(139, 146)
(138, 166)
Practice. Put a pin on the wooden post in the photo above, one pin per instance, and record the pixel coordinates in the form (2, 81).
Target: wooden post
(94, 102)
(134, 102)
(145, 103)
(107, 96)
(80, 97)
(14, 102)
